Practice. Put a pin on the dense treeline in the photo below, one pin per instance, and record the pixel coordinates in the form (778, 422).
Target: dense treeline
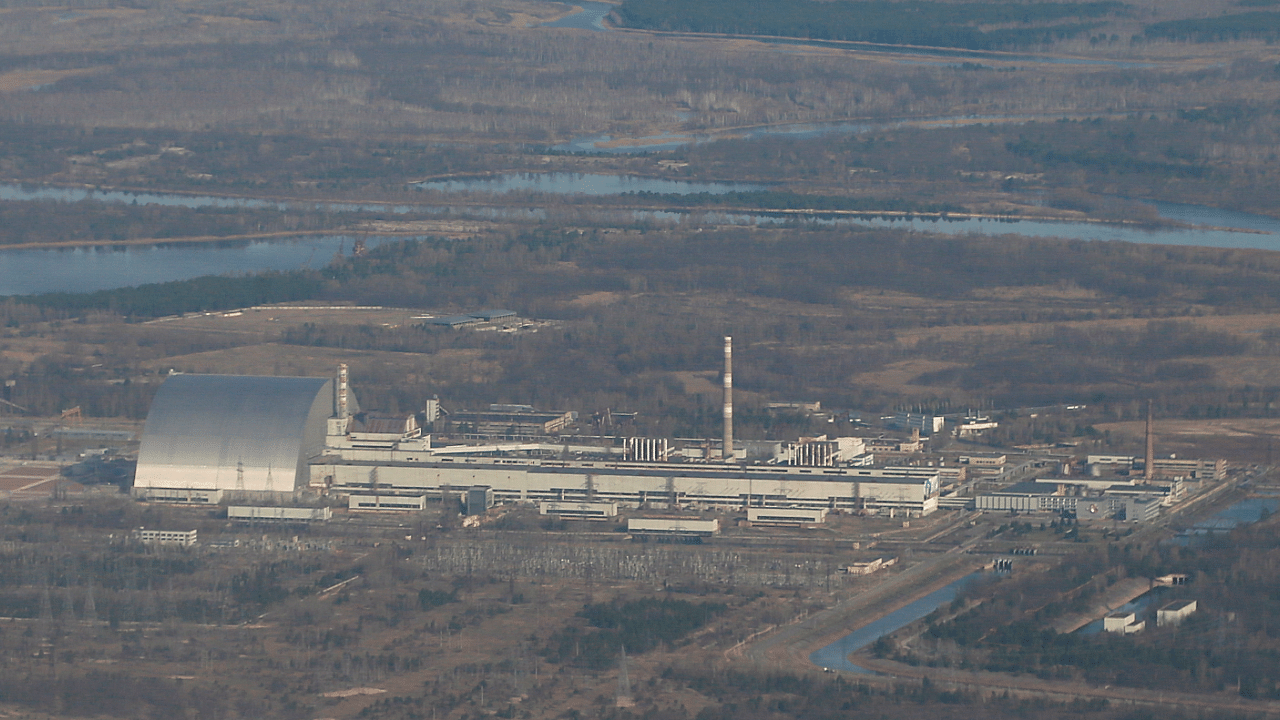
(916, 22)
(637, 626)
(87, 223)
(124, 695)
(1046, 155)
(791, 201)
(1217, 155)
(761, 695)
(1230, 643)
(1238, 26)
(228, 160)
(612, 349)
(211, 292)
(1161, 352)
(800, 339)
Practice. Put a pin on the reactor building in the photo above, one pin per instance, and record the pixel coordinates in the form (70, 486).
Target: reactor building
(210, 438)
(207, 435)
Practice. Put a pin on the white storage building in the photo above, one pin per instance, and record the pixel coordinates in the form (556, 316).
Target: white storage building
(250, 513)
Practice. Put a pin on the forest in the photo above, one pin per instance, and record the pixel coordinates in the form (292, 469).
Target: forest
(635, 627)
(1230, 643)
(910, 22)
(1182, 325)
(1260, 25)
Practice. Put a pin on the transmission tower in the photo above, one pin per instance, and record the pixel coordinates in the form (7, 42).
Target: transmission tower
(624, 682)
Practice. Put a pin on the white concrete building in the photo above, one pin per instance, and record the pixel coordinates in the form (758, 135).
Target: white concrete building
(675, 527)
(183, 538)
(794, 517)
(1174, 613)
(402, 503)
(250, 513)
(1124, 623)
(910, 491)
(579, 510)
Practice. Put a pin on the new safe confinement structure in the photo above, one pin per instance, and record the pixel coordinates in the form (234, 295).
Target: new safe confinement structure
(207, 435)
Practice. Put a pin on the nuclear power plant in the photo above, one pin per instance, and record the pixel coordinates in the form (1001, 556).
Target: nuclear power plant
(210, 438)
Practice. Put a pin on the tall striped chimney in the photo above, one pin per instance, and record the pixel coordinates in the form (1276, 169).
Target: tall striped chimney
(727, 452)
(343, 411)
(1149, 472)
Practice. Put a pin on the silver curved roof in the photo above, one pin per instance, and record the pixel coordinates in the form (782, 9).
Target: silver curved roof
(233, 432)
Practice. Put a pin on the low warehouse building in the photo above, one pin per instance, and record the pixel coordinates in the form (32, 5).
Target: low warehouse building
(794, 517)
(676, 527)
(579, 510)
(1174, 613)
(249, 513)
(182, 538)
(387, 502)
(1123, 623)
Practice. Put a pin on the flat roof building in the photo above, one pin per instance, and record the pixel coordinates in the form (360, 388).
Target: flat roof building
(1123, 623)
(250, 513)
(400, 503)
(1174, 613)
(675, 527)
(909, 490)
(790, 517)
(510, 424)
(1133, 503)
(182, 538)
(491, 315)
(451, 321)
(579, 510)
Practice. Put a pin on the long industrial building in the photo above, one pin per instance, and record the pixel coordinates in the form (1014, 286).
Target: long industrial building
(913, 491)
(213, 436)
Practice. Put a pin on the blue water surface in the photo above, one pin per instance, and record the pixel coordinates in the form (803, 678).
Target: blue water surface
(836, 655)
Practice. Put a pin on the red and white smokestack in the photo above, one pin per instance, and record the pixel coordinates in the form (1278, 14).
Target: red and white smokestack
(727, 452)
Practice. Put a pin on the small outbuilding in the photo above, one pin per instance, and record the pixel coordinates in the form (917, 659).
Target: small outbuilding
(1123, 623)
(1174, 613)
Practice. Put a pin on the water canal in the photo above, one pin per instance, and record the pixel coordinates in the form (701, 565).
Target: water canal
(836, 655)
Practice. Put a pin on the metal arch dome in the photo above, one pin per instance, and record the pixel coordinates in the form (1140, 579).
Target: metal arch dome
(233, 432)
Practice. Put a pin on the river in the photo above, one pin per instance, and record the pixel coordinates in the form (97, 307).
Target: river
(30, 271)
(590, 17)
